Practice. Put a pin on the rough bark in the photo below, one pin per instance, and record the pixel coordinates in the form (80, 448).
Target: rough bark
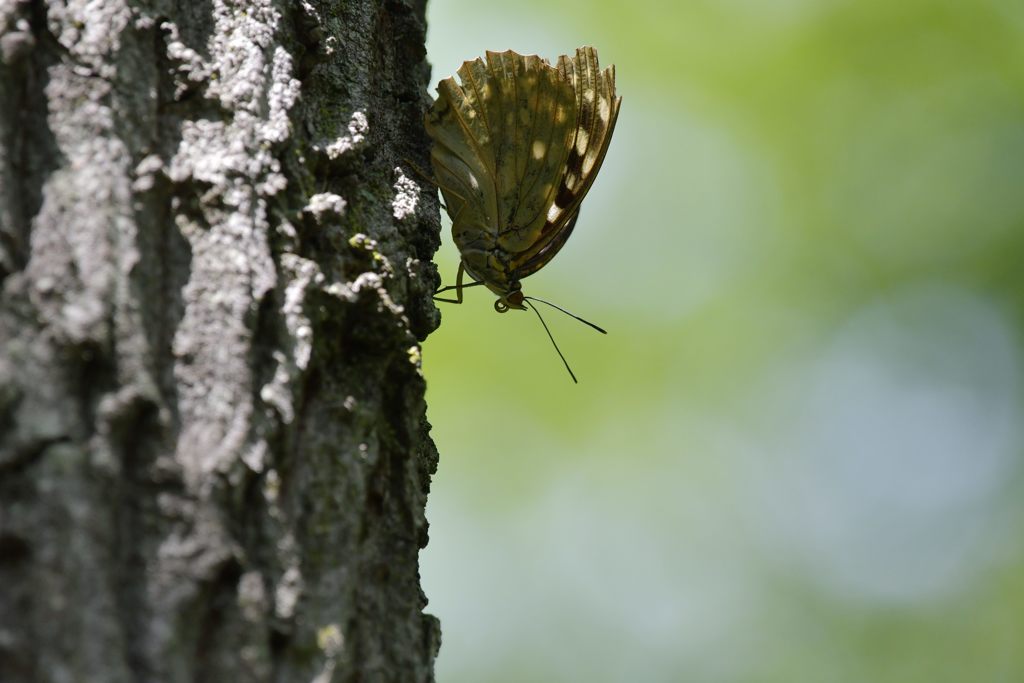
(214, 458)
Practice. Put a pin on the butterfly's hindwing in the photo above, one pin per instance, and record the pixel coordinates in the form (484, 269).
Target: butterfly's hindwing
(461, 155)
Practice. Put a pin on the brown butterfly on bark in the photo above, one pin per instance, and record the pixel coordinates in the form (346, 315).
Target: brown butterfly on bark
(517, 145)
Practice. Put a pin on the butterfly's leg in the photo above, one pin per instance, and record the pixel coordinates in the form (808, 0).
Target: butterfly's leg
(457, 287)
(420, 172)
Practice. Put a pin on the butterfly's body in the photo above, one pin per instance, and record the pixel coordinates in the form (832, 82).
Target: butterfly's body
(516, 148)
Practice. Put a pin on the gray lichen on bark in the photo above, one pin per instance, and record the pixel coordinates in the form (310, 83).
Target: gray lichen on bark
(216, 274)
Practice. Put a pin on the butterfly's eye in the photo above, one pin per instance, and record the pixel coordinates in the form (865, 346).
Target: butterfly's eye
(514, 299)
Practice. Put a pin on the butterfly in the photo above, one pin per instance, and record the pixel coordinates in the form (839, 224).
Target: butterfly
(517, 144)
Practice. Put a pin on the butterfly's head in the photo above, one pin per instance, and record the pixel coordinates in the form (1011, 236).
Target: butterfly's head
(511, 299)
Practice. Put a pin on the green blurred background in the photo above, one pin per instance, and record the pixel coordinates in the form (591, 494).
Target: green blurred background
(798, 454)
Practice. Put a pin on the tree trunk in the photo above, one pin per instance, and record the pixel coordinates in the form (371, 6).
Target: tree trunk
(214, 458)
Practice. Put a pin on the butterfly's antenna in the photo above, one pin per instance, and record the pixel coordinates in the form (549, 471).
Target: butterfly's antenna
(571, 315)
(539, 317)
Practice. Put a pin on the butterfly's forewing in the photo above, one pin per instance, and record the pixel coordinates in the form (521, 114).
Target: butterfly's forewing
(597, 109)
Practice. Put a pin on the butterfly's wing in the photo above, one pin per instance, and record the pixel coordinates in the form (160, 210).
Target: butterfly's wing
(517, 145)
(501, 141)
(597, 110)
